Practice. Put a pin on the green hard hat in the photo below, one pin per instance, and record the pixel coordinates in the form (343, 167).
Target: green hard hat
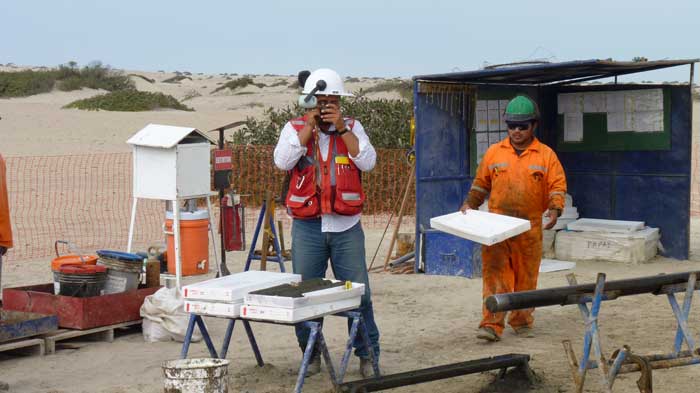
(521, 108)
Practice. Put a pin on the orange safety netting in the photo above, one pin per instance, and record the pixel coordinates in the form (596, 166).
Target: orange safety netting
(86, 199)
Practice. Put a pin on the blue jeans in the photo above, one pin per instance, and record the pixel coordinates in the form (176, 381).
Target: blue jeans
(311, 250)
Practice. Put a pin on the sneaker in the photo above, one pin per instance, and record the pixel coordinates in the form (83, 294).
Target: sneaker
(366, 368)
(524, 331)
(314, 366)
(488, 334)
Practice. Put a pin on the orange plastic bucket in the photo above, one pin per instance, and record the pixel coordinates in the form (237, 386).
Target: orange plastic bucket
(194, 242)
(68, 260)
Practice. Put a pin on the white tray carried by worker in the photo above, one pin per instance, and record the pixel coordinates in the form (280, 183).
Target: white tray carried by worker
(216, 309)
(481, 227)
(234, 287)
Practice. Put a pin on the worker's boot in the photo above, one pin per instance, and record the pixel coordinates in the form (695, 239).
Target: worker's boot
(488, 334)
(366, 368)
(524, 331)
(314, 366)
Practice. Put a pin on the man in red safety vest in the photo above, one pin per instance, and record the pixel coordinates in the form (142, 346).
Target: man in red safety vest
(325, 154)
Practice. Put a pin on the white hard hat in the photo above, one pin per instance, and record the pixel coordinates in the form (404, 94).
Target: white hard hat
(334, 84)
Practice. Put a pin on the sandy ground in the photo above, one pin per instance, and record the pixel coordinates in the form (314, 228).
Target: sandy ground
(424, 320)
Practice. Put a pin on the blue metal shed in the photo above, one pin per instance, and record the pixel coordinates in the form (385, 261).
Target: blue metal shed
(624, 176)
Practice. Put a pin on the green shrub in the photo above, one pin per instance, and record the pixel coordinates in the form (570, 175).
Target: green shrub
(403, 87)
(147, 79)
(254, 105)
(176, 79)
(239, 84)
(129, 101)
(387, 122)
(93, 76)
(26, 83)
(281, 82)
(190, 94)
(265, 131)
(66, 77)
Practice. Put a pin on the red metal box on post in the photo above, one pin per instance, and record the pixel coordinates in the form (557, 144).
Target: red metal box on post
(76, 312)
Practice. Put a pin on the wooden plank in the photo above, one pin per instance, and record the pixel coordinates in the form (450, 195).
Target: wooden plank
(32, 346)
(103, 333)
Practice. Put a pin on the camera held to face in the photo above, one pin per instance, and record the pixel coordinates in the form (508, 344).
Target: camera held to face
(322, 104)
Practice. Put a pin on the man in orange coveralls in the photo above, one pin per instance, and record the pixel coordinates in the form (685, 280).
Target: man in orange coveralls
(522, 178)
(5, 227)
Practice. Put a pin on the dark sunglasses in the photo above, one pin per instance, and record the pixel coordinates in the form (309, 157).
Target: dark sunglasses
(520, 126)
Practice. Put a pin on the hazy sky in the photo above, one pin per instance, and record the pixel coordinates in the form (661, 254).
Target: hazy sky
(355, 37)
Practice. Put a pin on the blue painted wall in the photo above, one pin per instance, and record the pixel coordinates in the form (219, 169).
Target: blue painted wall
(649, 186)
(442, 165)
(653, 186)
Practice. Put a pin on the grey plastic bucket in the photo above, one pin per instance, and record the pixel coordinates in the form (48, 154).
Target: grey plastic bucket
(121, 276)
(203, 375)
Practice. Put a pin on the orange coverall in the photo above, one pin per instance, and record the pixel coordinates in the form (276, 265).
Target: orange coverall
(522, 186)
(5, 227)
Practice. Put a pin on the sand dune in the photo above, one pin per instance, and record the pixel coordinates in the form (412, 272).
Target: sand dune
(37, 125)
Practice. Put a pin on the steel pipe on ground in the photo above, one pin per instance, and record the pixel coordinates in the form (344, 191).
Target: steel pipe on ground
(576, 294)
(434, 373)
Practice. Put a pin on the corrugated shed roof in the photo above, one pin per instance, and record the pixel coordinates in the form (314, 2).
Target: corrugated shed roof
(551, 73)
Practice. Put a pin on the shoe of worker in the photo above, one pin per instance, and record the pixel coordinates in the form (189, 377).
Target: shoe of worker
(366, 368)
(524, 331)
(314, 366)
(488, 334)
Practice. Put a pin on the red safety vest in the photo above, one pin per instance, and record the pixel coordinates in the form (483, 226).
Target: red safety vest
(324, 186)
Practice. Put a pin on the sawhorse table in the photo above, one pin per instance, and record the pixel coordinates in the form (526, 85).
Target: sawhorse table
(623, 360)
(316, 339)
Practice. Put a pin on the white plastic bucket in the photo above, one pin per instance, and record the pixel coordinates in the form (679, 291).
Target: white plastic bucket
(203, 375)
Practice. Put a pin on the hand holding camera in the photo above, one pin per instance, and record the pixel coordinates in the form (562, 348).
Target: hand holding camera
(330, 114)
(312, 117)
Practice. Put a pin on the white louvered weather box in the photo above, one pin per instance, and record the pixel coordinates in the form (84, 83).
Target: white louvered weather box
(170, 162)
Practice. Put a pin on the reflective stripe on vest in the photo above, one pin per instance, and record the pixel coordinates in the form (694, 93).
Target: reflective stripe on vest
(351, 196)
(297, 198)
(479, 189)
(551, 194)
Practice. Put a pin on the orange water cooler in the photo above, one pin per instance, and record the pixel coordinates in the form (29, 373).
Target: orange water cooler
(194, 242)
